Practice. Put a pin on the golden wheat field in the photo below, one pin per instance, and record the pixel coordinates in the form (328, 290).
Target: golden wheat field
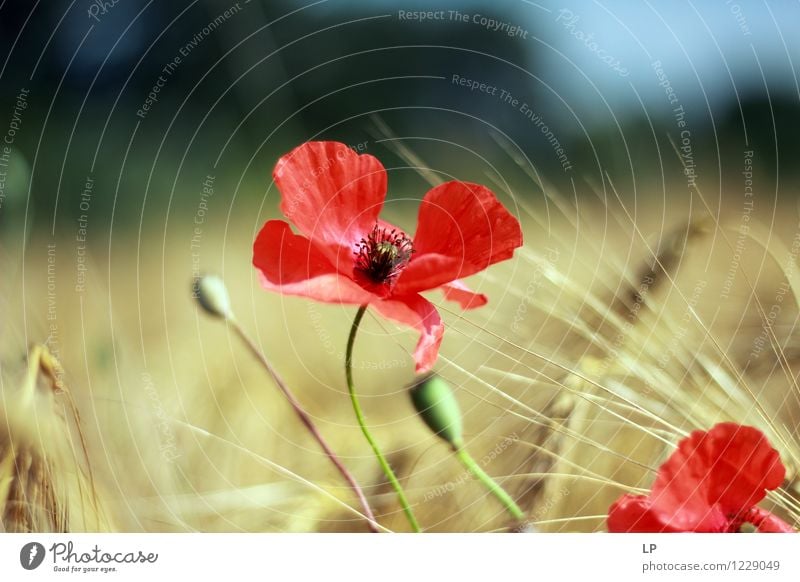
(613, 332)
(343, 266)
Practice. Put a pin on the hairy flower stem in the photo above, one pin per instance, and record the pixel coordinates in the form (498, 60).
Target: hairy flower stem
(309, 424)
(387, 470)
(495, 489)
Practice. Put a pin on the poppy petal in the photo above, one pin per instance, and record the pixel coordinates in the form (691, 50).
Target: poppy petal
(291, 264)
(468, 299)
(635, 514)
(724, 471)
(466, 228)
(332, 194)
(750, 466)
(419, 313)
(426, 272)
(767, 522)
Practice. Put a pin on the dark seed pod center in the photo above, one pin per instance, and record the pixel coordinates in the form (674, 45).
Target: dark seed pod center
(383, 254)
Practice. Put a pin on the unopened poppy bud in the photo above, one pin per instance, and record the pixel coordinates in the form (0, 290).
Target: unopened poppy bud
(211, 294)
(438, 407)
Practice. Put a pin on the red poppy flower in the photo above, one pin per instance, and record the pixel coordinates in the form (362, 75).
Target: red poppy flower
(346, 254)
(711, 483)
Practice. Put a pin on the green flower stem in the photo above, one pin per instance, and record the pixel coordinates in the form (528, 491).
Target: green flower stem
(496, 490)
(387, 470)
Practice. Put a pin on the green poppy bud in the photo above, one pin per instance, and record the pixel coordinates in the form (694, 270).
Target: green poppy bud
(212, 296)
(438, 407)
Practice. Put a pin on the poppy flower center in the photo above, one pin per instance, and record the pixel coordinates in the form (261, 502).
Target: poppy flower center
(383, 254)
(747, 527)
(744, 522)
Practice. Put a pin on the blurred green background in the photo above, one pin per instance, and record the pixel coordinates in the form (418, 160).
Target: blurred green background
(256, 78)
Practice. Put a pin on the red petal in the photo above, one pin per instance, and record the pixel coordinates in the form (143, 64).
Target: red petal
(419, 313)
(457, 291)
(332, 194)
(466, 228)
(427, 272)
(724, 471)
(634, 514)
(766, 522)
(293, 265)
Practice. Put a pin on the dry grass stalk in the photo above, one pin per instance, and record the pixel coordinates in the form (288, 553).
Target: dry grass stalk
(46, 483)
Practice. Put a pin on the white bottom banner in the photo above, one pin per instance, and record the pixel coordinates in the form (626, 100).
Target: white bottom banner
(399, 557)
